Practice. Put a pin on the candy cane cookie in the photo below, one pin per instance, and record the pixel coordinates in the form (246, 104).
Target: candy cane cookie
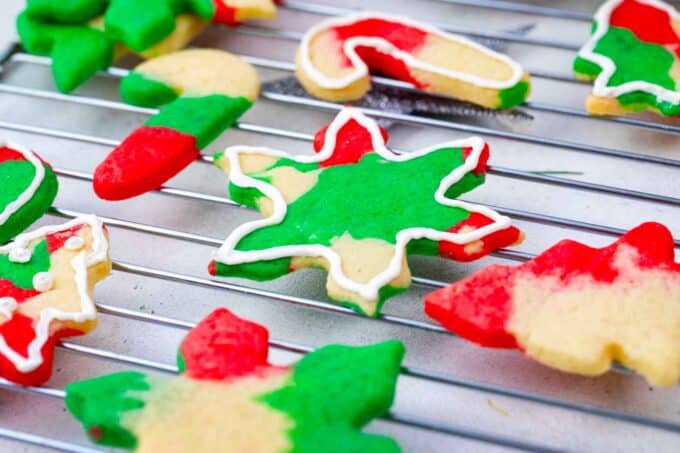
(47, 278)
(578, 308)
(336, 57)
(27, 189)
(203, 92)
(229, 398)
(633, 57)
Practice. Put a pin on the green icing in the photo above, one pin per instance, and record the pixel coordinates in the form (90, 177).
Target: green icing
(65, 11)
(77, 51)
(586, 68)
(205, 9)
(21, 274)
(336, 390)
(370, 200)
(99, 404)
(136, 89)
(513, 96)
(635, 60)
(141, 24)
(204, 117)
(15, 177)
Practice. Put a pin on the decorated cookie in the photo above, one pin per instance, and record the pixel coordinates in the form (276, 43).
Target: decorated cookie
(633, 57)
(78, 51)
(335, 57)
(357, 209)
(46, 282)
(28, 188)
(578, 308)
(139, 25)
(81, 35)
(228, 398)
(206, 91)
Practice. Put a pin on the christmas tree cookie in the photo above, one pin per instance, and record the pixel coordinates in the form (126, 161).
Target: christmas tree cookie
(46, 282)
(228, 398)
(633, 58)
(578, 308)
(204, 92)
(28, 189)
(357, 209)
(335, 57)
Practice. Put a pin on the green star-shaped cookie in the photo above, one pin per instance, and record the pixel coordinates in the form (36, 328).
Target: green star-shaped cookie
(357, 209)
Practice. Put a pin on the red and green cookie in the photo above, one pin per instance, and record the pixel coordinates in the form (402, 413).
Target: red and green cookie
(633, 56)
(228, 397)
(47, 278)
(336, 57)
(357, 209)
(578, 308)
(28, 189)
(79, 50)
(141, 24)
(203, 91)
(86, 36)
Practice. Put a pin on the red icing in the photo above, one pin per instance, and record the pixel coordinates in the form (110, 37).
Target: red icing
(7, 154)
(145, 160)
(482, 162)
(352, 142)
(18, 333)
(491, 242)
(406, 38)
(55, 241)
(9, 289)
(212, 268)
(226, 15)
(478, 307)
(224, 346)
(647, 22)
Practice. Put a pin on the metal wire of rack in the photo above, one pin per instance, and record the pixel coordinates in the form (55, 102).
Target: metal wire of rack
(669, 423)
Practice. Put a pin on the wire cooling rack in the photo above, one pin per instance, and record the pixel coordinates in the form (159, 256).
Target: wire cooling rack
(564, 174)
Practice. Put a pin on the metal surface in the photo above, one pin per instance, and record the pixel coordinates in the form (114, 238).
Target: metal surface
(562, 175)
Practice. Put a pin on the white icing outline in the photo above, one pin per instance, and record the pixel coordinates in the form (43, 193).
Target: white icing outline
(384, 46)
(227, 254)
(7, 307)
(27, 194)
(608, 66)
(80, 263)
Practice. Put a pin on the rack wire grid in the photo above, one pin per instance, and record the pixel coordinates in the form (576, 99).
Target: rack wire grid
(564, 174)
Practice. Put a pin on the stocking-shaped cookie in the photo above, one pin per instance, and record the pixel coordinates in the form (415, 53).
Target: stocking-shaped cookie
(357, 209)
(577, 308)
(46, 282)
(228, 398)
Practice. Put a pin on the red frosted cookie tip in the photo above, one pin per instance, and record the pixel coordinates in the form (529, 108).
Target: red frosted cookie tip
(352, 142)
(145, 160)
(224, 345)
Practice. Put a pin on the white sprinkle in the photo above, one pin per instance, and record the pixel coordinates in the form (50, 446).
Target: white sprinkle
(74, 243)
(20, 255)
(42, 281)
